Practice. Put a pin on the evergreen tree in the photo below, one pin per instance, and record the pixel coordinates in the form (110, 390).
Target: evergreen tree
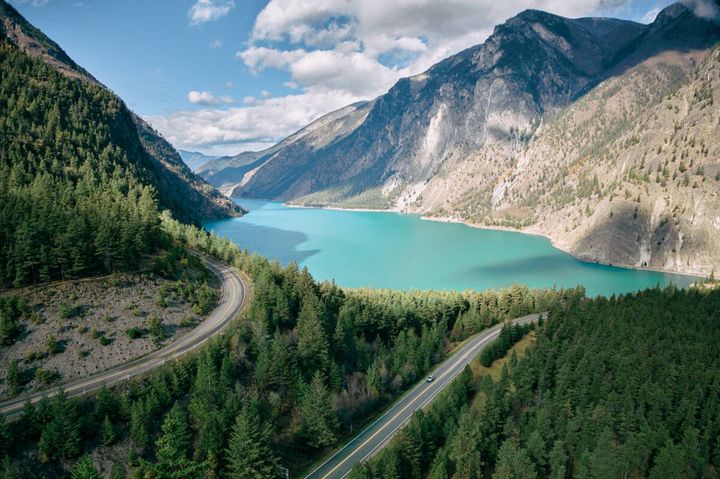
(172, 449)
(84, 469)
(312, 345)
(317, 420)
(107, 432)
(513, 463)
(249, 455)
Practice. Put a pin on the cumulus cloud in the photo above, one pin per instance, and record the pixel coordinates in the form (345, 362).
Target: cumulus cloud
(257, 125)
(650, 15)
(216, 44)
(208, 10)
(336, 52)
(207, 98)
(704, 8)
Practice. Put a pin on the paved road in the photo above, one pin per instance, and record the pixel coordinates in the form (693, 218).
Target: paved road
(231, 302)
(377, 434)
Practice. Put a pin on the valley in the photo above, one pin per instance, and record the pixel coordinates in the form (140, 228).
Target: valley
(523, 288)
(604, 140)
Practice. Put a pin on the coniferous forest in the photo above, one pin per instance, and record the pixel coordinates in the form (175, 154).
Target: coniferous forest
(306, 363)
(622, 387)
(73, 198)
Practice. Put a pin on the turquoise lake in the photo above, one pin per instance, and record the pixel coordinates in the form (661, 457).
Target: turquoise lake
(392, 250)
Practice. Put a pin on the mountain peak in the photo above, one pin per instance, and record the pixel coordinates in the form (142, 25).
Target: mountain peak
(671, 12)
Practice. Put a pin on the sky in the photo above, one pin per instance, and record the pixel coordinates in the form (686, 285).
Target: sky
(225, 76)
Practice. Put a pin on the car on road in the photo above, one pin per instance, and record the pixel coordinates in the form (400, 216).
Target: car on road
(430, 378)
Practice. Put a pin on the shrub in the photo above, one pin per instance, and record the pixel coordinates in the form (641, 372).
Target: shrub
(134, 332)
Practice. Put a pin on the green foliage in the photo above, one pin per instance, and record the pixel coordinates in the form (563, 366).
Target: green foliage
(14, 378)
(173, 449)
(134, 332)
(156, 328)
(12, 309)
(249, 454)
(313, 358)
(53, 346)
(59, 426)
(507, 338)
(317, 420)
(47, 377)
(107, 432)
(619, 387)
(84, 469)
(75, 192)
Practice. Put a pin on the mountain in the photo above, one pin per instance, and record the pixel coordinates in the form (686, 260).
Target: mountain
(82, 178)
(195, 159)
(555, 126)
(185, 193)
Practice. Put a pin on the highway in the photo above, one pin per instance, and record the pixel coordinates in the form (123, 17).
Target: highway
(378, 433)
(231, 301)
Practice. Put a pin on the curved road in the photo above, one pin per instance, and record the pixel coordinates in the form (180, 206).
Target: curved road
(231, 302)
(377, 434)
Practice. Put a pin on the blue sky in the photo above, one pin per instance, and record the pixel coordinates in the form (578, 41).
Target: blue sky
(223, 76)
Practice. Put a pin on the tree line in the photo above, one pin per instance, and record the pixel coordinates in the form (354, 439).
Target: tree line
(76, 191)
(618, 387)
(308, 361)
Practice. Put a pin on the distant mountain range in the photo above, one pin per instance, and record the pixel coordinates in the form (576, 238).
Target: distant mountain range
(599, 133)
(195, 159)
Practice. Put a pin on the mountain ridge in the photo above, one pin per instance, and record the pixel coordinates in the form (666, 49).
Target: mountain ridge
(444, 143)
(187, 194)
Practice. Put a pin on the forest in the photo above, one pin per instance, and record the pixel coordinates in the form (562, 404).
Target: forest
(620, 387)
(307, 362)
(74, 198)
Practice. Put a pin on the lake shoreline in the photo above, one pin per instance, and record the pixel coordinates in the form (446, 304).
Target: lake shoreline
(456, 220)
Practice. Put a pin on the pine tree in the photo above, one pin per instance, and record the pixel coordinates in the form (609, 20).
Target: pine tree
(513, 463)
(139, 425)
(249, 455)
(107, 432)
(14, 378)
(84, 469)
(312, 345)
(558, 460)
(317, 419)
(172, 449)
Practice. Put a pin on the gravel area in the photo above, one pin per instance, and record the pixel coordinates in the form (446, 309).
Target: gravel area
(77, 328)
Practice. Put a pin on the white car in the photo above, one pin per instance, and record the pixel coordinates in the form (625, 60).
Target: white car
(430, 378)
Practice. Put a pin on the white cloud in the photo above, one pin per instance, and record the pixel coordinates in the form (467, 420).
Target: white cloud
(704, 8)
(207, 98)
(208, 10)
(262, 122)
(265, 94)
(216, 44)
(340, 51)
(650, 15)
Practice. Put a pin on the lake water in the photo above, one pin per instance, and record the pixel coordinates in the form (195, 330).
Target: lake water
(391, 250)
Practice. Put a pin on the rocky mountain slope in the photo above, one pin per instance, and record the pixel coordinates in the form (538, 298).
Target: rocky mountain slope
(179, 189)
(553, 125)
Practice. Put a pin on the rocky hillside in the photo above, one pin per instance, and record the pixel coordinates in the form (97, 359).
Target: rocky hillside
(179, 189)
(552, 125)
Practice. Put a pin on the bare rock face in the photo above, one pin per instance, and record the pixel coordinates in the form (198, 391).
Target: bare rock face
(553, 125)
